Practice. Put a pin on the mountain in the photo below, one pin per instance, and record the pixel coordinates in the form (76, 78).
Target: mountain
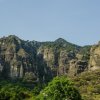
(35, 61)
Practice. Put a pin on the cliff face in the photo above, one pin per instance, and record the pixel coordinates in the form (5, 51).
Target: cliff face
(63, 62)
(64, 58)
(18, 59)
(94, 62)
(40, 61)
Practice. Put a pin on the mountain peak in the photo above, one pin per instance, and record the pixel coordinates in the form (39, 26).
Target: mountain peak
(13, 37)
(60, 40)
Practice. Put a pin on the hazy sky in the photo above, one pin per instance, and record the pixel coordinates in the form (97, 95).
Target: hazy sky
(77, 21)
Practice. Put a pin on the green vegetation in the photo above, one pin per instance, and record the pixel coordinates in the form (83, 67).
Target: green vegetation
(85, 51)
(11, 91)
(88, 84)
(61, 44)
(60, 88)
(19, 91)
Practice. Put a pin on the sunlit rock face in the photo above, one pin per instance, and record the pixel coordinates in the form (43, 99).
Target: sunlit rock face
(94, 62)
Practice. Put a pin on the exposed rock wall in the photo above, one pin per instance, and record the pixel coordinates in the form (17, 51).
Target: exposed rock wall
(63, 62)
(40, 61)
(19, 60)
(94, 62)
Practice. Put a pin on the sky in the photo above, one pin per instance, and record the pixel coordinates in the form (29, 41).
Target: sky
(77, 21)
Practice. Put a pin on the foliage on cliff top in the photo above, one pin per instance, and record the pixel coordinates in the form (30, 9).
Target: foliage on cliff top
(61, 44)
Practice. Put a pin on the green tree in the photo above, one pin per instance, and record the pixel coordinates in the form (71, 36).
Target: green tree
(60, 88)
(13, 91)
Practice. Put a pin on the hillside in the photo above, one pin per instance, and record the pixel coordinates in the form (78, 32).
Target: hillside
(88, 83)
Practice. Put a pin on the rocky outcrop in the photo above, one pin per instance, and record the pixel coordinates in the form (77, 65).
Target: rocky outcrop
(18, 60)
(41, 61)
(63, 62)
(94, 62)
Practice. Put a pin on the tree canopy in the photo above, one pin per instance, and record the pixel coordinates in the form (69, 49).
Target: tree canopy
(60, 88)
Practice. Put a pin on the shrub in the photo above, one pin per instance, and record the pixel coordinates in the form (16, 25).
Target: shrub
(60, 88)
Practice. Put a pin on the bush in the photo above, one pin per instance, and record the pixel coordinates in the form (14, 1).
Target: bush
(60, 88)
(9, 91)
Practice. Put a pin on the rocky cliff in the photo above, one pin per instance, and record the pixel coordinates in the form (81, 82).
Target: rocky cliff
(94, 62)
(65, 58)
(19, 59)
(40, 61)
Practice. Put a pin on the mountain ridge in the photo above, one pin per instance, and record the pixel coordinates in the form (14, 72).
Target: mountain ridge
(57, 39)
(41, 61)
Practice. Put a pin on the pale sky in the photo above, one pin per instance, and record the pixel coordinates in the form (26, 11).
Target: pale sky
(77, 21)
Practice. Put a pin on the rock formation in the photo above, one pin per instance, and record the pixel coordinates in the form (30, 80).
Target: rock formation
(94, 62)
(41, 61)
